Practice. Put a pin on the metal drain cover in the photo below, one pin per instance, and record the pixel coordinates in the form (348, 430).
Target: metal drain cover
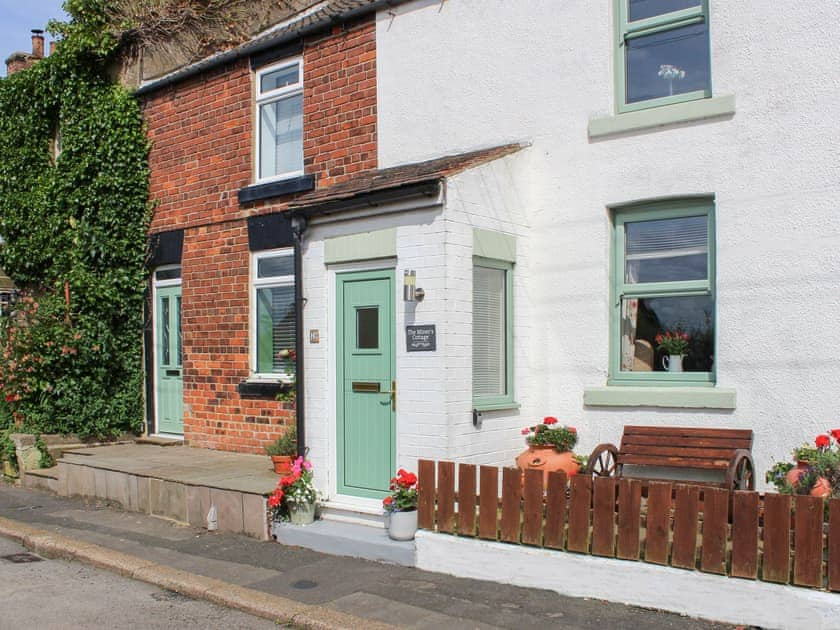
(305, 584)
(22, 558)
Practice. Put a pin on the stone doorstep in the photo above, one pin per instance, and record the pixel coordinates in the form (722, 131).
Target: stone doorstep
(341, 538)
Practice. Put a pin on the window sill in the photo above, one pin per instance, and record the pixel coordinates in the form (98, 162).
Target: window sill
(258, 192)
(500, 406)
(256, 388)
(674, 397)
(690, 111)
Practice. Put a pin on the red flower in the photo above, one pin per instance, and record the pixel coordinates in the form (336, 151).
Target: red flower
(571, 429)
(550, 420)
(822, 441)
(835, 433)
(387, 501)
(10, 397)
(405, 478)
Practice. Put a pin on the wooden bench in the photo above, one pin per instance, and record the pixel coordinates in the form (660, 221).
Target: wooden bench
(723, 450)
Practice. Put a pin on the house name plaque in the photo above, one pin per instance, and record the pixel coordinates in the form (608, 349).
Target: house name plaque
(420, 338)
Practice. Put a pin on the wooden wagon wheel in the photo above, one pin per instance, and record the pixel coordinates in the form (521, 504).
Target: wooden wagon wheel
(603, 462)
(741, 474)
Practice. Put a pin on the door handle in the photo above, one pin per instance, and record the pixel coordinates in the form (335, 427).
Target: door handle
(393, 393)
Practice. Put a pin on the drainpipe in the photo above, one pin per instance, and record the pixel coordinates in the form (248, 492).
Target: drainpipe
(298, 228)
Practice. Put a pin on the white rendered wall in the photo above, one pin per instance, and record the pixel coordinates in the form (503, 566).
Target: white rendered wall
(460, 74)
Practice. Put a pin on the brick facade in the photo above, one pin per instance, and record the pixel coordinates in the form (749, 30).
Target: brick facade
(202, 131)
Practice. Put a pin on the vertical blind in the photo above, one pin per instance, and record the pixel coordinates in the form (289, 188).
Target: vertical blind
(489, 325)
(275, 329)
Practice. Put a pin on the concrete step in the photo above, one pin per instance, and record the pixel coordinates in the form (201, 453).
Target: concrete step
(159, 441)
(41, 479)
(347, 539)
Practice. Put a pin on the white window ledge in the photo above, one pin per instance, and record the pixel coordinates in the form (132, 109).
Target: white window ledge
(674, 397)
(690, 111)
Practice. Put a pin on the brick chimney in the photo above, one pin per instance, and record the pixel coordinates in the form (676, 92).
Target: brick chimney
(18, 61)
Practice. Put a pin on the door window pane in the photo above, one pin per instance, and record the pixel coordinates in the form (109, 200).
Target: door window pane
(667, 63)
(642, 319)
(642, 9)
(666, 250)
(281, 136)
(276, 330)
(489, 332)
(164, 330)
(367, 328)
(172, 273)
(280, 78)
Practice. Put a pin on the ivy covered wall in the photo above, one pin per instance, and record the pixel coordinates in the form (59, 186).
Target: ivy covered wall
(73, 224)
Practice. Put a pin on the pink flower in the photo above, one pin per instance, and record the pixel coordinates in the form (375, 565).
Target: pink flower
(525, 431)
(307, 465)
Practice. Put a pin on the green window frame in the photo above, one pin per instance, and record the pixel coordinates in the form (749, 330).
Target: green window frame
(486, 397)
(621, 289)
(627, 30)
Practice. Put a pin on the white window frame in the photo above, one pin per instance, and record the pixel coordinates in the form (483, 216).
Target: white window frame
(267, 283)
(266, 98)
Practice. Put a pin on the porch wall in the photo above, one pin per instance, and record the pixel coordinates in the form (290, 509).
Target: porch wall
(542, 74)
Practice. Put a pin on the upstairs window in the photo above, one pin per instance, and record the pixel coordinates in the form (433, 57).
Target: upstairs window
(280, 121)
(662, 55)
(663, 275)
(273, 314)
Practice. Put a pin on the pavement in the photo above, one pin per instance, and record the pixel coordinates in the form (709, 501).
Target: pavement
(292, 585)
(86, 597)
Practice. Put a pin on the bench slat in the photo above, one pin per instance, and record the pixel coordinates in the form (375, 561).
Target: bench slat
(688, 431)
(667, 451)
(694, 442)
(674, 462)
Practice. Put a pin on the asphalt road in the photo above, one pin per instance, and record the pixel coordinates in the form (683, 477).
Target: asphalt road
(56, 594)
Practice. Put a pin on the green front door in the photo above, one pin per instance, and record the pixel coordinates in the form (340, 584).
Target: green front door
(366, 385)
(168, 356)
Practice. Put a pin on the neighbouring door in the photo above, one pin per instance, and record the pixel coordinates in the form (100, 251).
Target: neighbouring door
(168, 360)
(366, 383)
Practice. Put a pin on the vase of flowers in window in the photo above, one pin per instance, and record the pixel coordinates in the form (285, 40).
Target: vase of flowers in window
(295, 497)
(674, 343)
(549, 448)
(401, 506)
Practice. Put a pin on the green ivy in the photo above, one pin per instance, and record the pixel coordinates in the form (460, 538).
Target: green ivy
(73, 224)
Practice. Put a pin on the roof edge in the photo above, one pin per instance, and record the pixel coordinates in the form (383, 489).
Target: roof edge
(256, 44)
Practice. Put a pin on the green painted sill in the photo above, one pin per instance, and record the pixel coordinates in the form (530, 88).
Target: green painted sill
(689, 111)
(686, 397)
(500, 406)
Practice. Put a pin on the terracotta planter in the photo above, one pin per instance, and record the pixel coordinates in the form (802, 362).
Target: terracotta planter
(822, 487)
(282, 464)
(547, 459)
(403, 525)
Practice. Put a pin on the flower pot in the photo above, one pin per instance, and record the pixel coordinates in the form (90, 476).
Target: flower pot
(403, 525)
(793, 474)
(821, 489)
(282, 464)
(386, 519)
(303, 514)
(548, 459)
(673, 362)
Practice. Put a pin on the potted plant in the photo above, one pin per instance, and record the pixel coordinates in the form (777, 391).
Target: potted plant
(283, 450)
(295, 496)
(401, 506)
(549, 448)
(817, 469)
(675, 345)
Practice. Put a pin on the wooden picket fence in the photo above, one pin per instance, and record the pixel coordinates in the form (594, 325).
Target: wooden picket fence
(739, 534)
